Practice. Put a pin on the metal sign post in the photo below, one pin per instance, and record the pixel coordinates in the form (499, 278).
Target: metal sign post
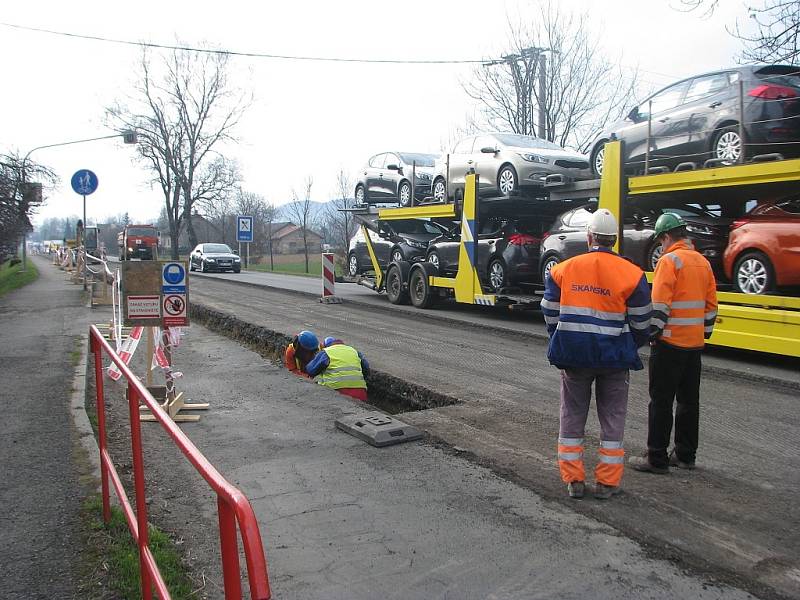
(244, 233)
(84, 182)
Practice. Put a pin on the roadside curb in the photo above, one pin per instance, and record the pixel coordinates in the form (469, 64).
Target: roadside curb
(80, 418)
(422, 314)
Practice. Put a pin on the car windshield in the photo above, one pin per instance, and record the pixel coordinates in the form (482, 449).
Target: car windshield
(525, 141)
(220, 248)
(414, 226)
(142, 231)
(422, 160)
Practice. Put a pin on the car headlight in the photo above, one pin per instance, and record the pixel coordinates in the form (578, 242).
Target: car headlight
(130, 249)
(416, 244)
(699, 229)
(534, 158)
(209, 260)
(237, 259)
(423, 176)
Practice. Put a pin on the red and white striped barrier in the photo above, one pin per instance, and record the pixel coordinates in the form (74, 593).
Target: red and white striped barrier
(328, 280)
(128, 348)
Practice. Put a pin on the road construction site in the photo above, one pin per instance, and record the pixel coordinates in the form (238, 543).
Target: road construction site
(733, 519)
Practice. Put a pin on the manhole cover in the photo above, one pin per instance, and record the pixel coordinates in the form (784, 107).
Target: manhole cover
(378, 429)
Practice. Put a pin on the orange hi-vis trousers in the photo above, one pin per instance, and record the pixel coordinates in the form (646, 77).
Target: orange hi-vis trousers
(609, 466)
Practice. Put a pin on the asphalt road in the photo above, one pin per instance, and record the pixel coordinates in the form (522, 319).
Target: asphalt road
(734, 518)
(40, 495)
(758, 366)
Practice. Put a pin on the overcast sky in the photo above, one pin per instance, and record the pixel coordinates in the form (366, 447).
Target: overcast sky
(308, 118)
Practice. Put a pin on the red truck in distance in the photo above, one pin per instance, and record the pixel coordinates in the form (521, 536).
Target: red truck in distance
(138, 241)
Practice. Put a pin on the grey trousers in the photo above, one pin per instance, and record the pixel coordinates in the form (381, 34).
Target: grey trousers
(611, 397)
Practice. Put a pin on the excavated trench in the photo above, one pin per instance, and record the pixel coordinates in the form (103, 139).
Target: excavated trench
(386, 392)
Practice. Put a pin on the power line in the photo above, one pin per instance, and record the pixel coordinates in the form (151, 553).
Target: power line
(245, 54)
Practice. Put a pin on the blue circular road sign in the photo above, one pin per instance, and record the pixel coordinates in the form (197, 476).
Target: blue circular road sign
(84, 182)
(174, 273)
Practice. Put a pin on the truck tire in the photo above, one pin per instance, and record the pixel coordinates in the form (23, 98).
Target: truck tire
(419, 290)
(396, 290)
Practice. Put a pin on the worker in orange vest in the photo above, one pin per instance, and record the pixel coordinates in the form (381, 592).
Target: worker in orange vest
(300, 351)
(597, 310)
(684, 311)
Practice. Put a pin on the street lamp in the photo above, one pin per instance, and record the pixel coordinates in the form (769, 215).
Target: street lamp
(129, 136)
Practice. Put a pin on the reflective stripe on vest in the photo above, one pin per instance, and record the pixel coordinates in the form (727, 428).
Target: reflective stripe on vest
(344, 368)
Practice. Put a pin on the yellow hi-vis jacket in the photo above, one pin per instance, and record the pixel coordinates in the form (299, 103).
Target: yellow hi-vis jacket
(684, 297)
(344, 368)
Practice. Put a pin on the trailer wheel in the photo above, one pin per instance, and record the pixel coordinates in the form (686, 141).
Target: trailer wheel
(394, 286)
(419, 289)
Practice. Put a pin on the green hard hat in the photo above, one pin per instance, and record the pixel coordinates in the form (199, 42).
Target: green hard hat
(667, 222)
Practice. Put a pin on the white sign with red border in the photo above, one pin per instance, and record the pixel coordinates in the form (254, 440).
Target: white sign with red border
(144, 307)
(175, 310)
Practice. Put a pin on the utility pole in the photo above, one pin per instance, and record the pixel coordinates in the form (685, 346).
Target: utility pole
(534, 61)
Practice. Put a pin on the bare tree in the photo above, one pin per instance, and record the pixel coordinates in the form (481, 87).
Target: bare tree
(21, 184)
(183, 113)
(553, 78)
(340, 223)
(777, 29)
(270, 216)
(300, 212)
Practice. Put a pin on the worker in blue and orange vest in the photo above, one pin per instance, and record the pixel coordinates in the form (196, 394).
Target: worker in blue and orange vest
(597, 309)
(341, 368)
(684, 312)
(300, 351)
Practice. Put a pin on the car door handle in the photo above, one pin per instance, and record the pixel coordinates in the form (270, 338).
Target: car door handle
(562, 237)
(715, 104)
(469, 162)
(664, 120)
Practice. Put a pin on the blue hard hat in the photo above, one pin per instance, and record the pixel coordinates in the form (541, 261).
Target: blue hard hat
(329, 340)
(307, 340)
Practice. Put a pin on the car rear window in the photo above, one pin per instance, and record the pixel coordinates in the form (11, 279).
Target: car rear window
(780, 75)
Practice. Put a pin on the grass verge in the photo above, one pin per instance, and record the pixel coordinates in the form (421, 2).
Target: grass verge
(12, 276)
(116, 557)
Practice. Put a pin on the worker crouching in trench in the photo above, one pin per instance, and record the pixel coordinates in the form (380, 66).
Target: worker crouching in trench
(341, 368)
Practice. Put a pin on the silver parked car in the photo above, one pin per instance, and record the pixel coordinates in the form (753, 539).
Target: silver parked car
(505, 162)
(386, 178)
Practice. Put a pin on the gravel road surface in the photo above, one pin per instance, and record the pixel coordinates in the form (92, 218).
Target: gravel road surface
(734, 518)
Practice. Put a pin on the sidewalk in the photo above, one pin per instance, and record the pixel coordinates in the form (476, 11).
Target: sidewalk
(341, 519)
(40, 496)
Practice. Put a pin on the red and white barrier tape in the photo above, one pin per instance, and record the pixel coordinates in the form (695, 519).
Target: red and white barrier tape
(328, 275)
(128, 348)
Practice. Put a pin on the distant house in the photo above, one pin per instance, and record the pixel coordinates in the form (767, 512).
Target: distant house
(206, 232)
(287, 238)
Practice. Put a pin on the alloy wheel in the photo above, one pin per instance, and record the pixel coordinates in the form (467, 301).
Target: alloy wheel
(439, 190)
(506, 181)
(359, 195)
(497, 275)
(397, 256)
(353, 265)
(729, 146)
(599, 160)
(752, 276)
(405, 195)
(548, 266)
(434, 259)
(655, 254)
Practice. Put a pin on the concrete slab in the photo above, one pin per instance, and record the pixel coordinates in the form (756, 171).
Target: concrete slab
(378, 429)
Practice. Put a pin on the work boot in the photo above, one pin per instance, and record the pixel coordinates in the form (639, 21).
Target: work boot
(674, 461)
(642, 463)
(604, 492)
(575, 489)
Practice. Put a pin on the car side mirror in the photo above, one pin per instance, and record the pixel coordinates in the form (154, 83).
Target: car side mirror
(236, 252)
(488, 150)
(634, 114)
(393, 167)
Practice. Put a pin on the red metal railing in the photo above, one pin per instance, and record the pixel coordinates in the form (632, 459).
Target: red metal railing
(233, 507)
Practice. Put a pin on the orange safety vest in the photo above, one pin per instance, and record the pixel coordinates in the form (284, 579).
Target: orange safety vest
(684, 297)
(291, 362)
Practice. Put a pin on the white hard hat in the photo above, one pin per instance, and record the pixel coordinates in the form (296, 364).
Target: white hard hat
(603, 223)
